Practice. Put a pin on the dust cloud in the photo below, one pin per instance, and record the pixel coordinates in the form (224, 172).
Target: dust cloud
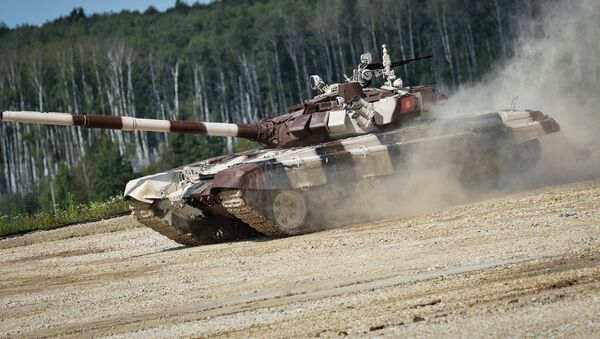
(555, 69)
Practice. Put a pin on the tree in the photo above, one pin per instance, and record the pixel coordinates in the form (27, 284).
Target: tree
(184, 149)
(63, 183)
(3, 28)
(151, 10)
(181, 6)
(76, 14)
(109, 172)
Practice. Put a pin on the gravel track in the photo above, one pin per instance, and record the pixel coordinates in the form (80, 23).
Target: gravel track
(509, 266)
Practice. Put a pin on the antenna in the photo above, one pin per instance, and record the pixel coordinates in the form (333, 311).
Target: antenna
(513, 103)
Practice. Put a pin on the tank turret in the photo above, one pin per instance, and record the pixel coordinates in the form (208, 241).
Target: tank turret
(339, 111)
(345, 110)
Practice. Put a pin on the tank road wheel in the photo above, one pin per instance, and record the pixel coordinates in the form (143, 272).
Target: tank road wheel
(249, 207)
(482, 174)
(368, 193)
(523, 157)
(274, 213)
(290, 210)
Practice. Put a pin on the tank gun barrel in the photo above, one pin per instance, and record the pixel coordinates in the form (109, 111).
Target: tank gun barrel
(133, 124)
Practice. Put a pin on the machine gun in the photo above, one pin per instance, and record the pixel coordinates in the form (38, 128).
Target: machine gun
(367, 70)
(378, 65)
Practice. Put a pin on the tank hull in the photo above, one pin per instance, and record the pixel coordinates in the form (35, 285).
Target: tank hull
(280, 192)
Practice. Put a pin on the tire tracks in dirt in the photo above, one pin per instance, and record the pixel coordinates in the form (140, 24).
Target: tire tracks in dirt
(508, 270)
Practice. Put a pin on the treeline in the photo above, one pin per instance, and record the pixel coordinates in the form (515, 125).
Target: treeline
(235, 61)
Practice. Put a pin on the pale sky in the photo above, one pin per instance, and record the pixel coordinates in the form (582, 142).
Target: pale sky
(37, 12)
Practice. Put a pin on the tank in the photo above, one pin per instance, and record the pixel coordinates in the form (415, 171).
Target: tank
(328, 161)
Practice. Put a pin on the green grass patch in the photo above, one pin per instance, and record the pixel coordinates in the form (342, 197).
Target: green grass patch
(72, 214)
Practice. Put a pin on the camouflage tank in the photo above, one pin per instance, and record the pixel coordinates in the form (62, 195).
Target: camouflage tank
(324, 163)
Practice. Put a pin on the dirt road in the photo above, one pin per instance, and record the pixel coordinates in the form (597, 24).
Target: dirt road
(506, 266)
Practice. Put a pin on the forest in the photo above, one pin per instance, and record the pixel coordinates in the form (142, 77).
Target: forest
(230, 61)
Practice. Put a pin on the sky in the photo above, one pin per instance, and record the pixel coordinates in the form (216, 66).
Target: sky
(37, 12)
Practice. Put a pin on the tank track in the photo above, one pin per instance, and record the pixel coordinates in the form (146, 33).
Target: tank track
(235, 204)
(144, 215)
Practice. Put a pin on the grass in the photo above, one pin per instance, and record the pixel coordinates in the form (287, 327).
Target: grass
(72, 214)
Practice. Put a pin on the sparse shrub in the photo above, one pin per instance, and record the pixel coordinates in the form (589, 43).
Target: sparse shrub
(72, 214)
